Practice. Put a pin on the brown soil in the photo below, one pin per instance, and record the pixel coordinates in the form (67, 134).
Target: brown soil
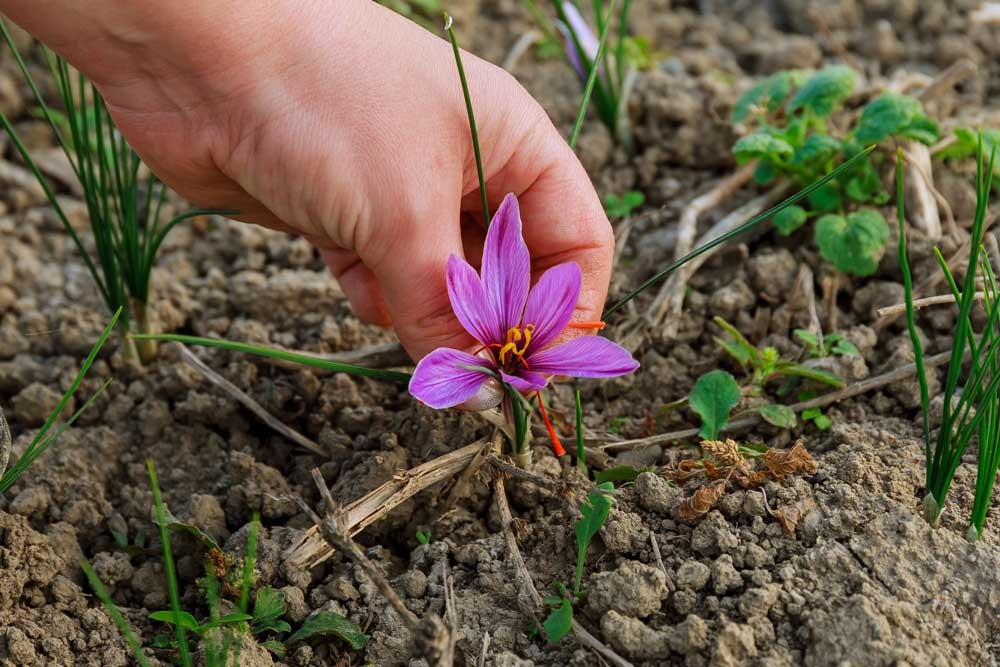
(862, 581)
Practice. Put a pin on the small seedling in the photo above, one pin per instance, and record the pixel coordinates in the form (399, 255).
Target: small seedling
(622, 206)
(560, 619)
(423, 537)
(971, 405)
(794, 139)
(824, 346)
(966, 145)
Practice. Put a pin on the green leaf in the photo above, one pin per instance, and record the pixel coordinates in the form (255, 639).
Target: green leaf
(788, 219)
(228, 619)
(823, 91)
(268, 609)
(330, 623)
(275, 647)
(781, 416)
(844, 347)
(622, 473)
(922, 129)
(854, 244)
(816, 151)
(825, 199)
(176, 525)
(594, 511)
(735, 350)
(764, 173)
(792, 369)
(807, 337)
(622, 206)
(865, 186)
(766, 95)
(762, 145)
(886, 116)
(713, 397)
(187, 621)
(559, 622)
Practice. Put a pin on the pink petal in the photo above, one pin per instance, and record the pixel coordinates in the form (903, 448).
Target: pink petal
(588, 40)
(584, 357)
(447, 377)
(506, 265)
(524, 380)
(551, 303)
(468, 300)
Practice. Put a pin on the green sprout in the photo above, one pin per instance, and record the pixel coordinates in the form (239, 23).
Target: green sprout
(124, 207)
(971, 400)
(46, 437)
(716, 393)
(793, 139)
(825, 346)
(622, 206)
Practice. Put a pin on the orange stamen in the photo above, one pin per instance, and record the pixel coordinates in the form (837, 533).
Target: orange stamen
(485, 347)
(556, 445)
(596, 326)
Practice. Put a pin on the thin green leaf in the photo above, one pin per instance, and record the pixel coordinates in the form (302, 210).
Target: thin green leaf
(183, 618)
(274, 353)
(594, 511)
(124, 627)
(179, 616)
(622, 473)
(588, 89)
(753, 222)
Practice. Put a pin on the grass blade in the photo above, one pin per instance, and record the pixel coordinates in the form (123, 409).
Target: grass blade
(472, 117)
(168, 565)
(753, 222)
(273, 353)
(115, 613)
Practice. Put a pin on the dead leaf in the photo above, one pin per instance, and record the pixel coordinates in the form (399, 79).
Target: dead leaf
(702, 500)
(796, 460)
(726, 452)
(683, 470)
(790, 515)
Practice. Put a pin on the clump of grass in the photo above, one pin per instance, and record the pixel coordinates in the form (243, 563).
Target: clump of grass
(971, 406)
(124, 206)
(46, 437)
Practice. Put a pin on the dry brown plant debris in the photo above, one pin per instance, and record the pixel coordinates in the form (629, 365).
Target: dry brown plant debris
(728, 464)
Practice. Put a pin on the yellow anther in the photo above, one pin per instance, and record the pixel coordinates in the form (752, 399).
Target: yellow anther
(514, 336)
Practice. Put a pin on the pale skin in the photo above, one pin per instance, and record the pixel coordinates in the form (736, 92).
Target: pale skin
(339, 121)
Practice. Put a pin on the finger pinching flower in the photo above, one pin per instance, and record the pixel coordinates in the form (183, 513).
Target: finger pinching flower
(515, 325)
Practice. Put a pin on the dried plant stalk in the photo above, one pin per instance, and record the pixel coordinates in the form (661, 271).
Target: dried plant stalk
(702, 501)
(726, 452)
(311, 549)
(796, 460)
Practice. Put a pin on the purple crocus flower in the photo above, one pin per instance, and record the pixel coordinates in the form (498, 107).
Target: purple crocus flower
(514, 325)
(588, 40)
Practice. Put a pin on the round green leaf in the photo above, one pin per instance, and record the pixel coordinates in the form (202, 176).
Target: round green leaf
(824, 90)
(761, 145)
(854, 244)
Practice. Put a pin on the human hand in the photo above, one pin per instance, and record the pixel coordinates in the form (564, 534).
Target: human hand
(344, 123)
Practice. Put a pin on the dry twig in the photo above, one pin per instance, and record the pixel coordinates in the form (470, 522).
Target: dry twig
(243, 398)
(433, 639)
(936, 300)
(6, 443)
(311, 549)
(670, 300)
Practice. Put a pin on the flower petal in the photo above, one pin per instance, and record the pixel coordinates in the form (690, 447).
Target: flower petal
(468, 300)
(584, 357)
(551, 303)
(524, 380)
(506, 265)
(588, 40)
(446, 377)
